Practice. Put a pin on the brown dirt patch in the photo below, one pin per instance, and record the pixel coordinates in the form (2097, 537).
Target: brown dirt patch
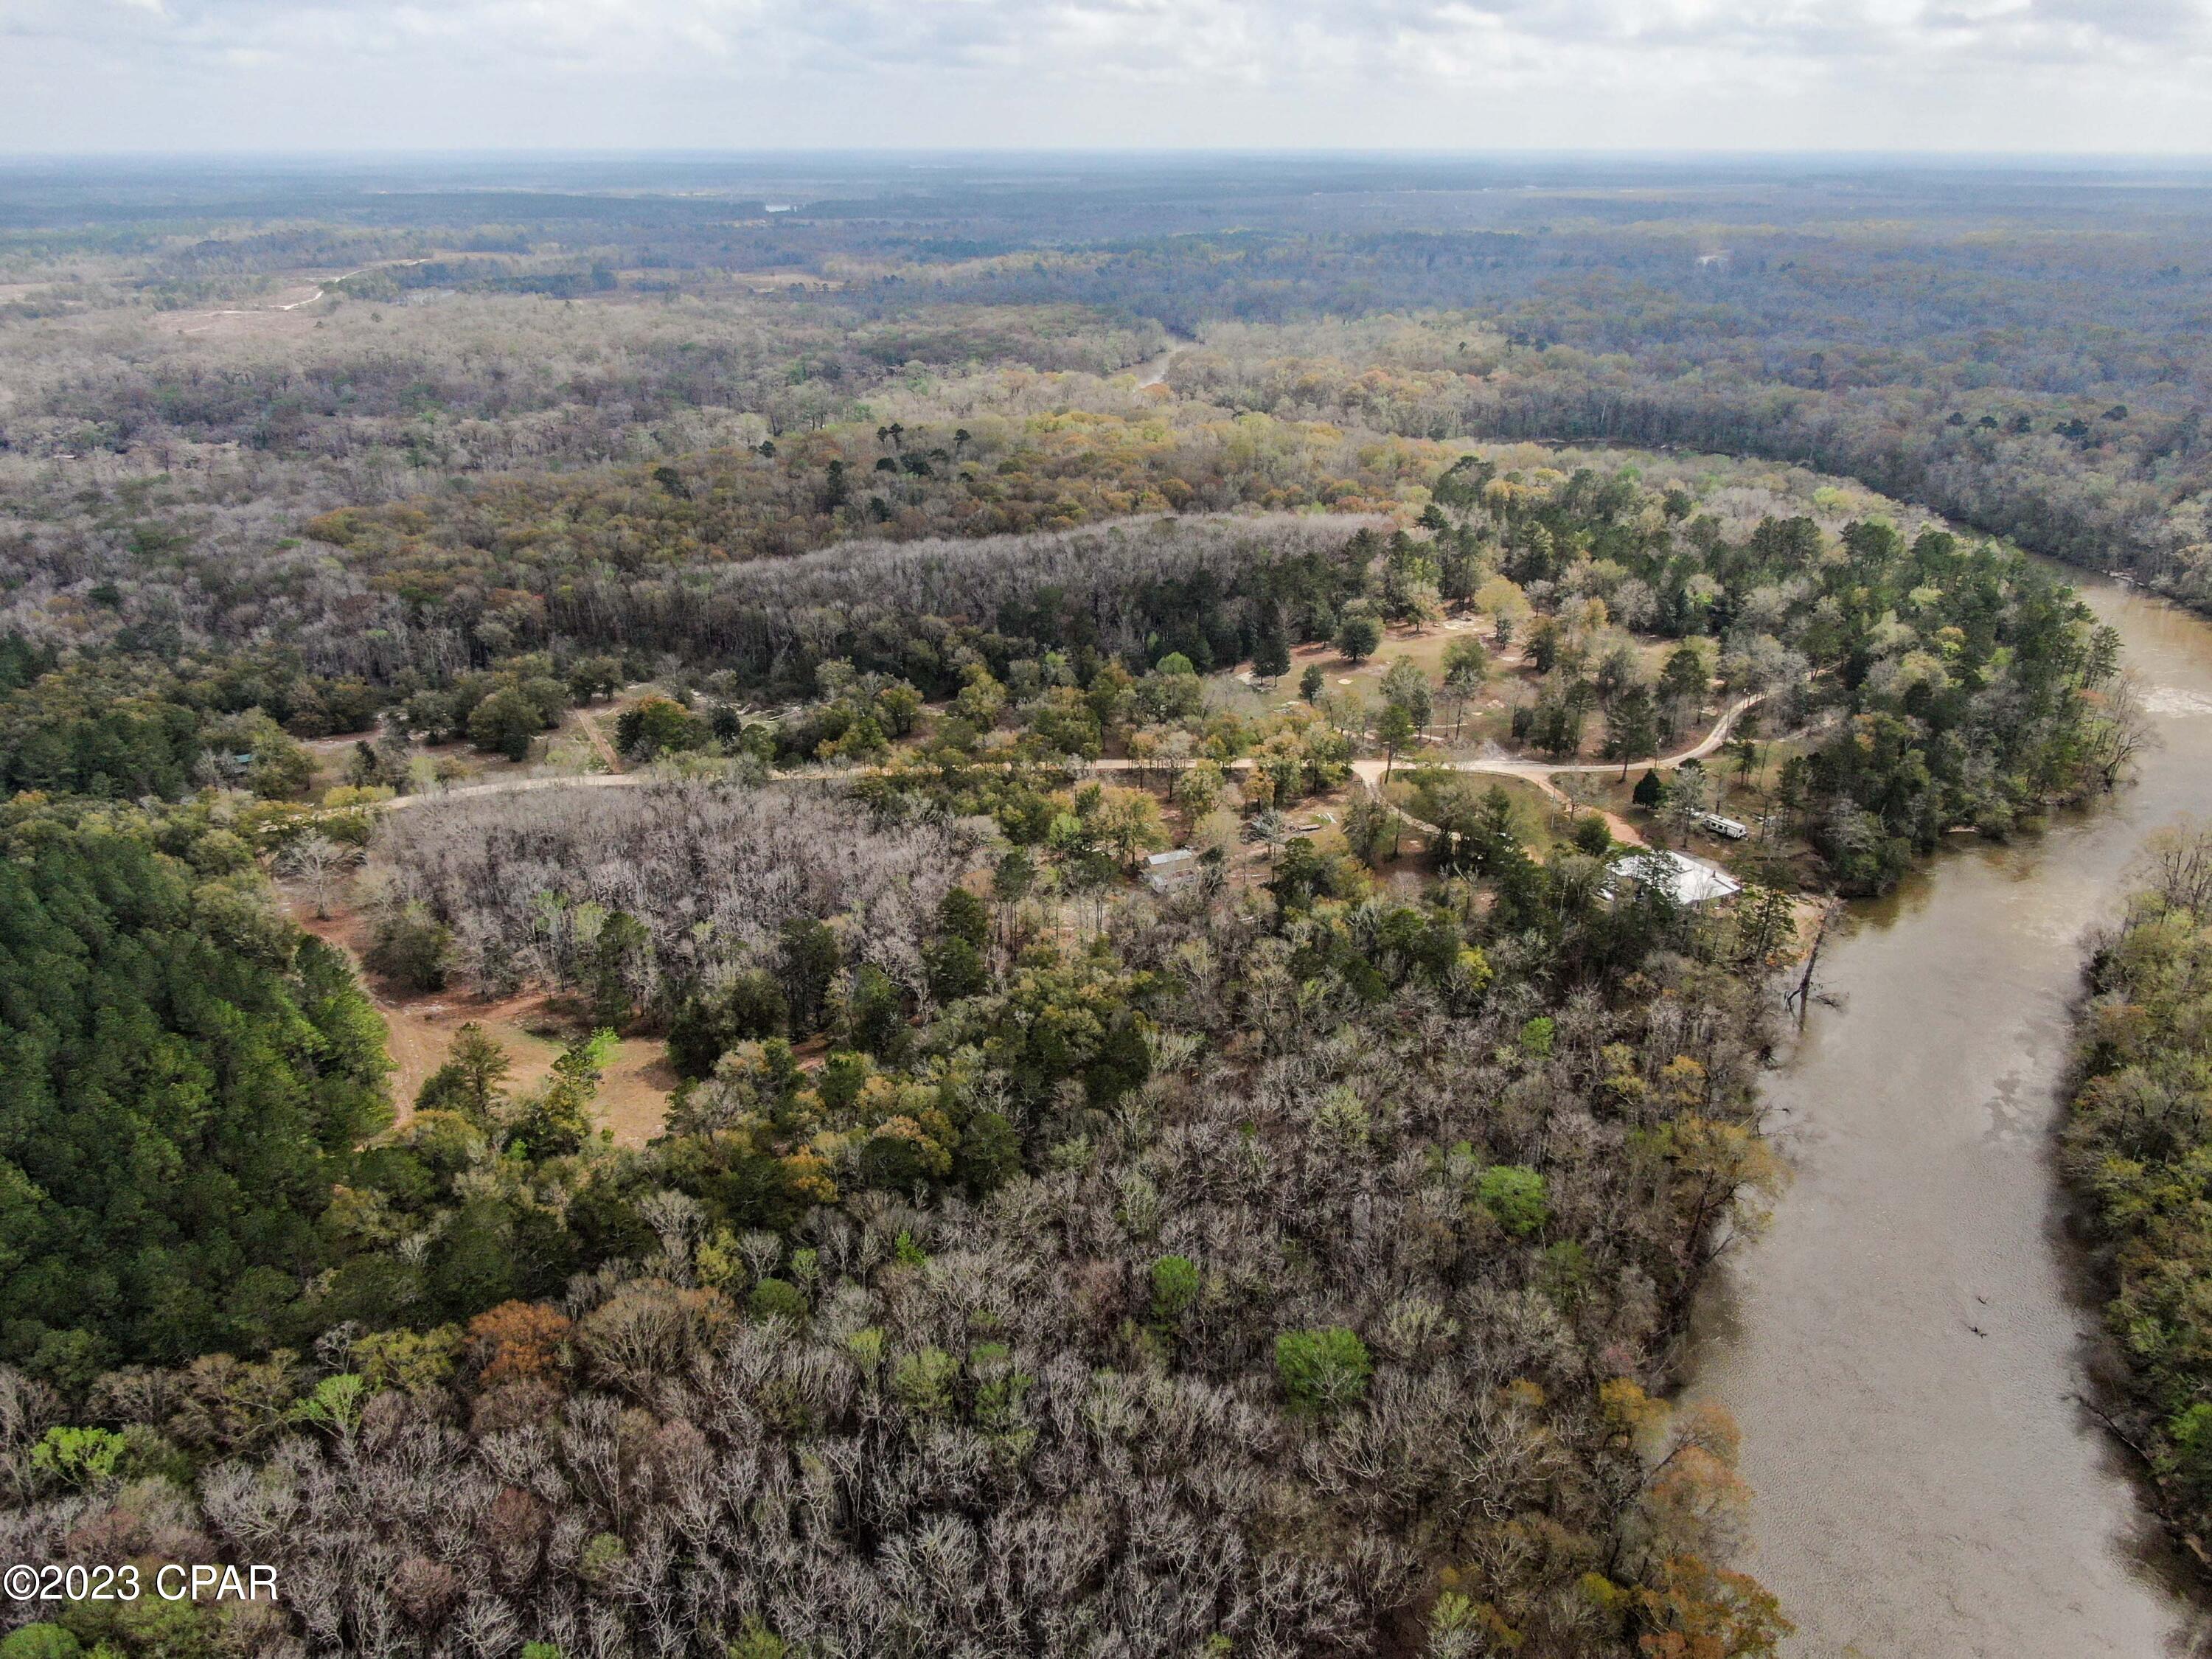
(633, 1098)
(289, 312)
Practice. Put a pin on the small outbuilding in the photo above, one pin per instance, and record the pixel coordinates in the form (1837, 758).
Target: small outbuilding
(1164, 871)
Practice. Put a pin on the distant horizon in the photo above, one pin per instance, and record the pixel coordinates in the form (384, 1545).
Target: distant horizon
(1653, 154)
(1013, 157)
(1856, 77)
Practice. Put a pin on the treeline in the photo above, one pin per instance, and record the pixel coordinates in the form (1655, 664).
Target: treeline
(2075, 475)
(2137, 1138)
(1030, 472)
(2024, 478)
(1205, 587)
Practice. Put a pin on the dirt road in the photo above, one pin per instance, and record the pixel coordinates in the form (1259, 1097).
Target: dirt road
(1370, 772)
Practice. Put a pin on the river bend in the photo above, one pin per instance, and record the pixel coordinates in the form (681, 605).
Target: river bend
(1905, 1346)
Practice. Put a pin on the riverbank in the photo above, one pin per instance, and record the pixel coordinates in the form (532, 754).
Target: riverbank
(2133, 1147)
(1907, 1347)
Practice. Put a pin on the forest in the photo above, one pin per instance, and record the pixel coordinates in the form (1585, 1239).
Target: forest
(1127, 1265)
(604, 616)
(988, 1172)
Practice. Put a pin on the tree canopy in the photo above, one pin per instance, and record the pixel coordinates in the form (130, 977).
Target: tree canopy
(186, 1078)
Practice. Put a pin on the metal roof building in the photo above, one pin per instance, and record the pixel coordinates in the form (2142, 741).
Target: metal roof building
(1692, 881)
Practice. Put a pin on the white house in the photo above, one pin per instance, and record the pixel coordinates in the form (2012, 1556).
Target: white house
(1691, 881)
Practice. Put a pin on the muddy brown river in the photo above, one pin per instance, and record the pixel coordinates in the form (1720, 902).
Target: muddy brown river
(1905, 1346)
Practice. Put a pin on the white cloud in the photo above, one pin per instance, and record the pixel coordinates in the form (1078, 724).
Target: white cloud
(1752, 74)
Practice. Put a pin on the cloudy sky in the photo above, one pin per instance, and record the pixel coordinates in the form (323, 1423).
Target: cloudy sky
(2037, 75)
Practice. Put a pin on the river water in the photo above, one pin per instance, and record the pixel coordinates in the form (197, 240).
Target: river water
(1905, 1347)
